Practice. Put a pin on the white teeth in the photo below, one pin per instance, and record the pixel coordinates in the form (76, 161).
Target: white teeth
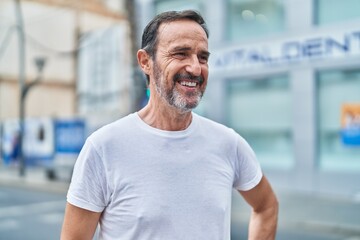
(188, 84)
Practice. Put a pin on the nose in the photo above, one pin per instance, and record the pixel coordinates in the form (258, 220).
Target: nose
(194, 66)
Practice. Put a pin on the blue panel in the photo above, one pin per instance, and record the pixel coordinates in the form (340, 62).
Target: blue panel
(351, 136)
(69, 136)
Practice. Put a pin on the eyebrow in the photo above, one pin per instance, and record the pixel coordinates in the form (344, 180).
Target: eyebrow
(207, 53)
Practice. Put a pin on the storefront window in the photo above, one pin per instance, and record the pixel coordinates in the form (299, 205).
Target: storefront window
(177, 5)
(332, 11)
(254, 18)
(336, 91)
(260, 111)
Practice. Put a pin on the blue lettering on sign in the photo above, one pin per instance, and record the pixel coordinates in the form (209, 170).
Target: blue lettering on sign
(254, 56)
(291, 51)
(332, 44)
(357, 34)
(230, 59)
(312, 47)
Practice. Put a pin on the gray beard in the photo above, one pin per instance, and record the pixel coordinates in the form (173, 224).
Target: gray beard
(172, 96)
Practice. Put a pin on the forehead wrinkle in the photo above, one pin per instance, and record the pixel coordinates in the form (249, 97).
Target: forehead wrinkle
(186, 44)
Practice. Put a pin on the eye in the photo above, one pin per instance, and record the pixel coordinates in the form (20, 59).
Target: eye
(180, 54)
(203, 58)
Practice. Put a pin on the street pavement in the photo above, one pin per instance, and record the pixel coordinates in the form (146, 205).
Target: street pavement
(30, 214)
(35, 178)
(302, 216)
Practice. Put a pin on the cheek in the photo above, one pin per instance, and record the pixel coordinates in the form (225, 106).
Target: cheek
(168, 79)
(169, 74)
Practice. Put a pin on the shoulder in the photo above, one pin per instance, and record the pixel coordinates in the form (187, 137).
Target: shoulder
(222, 134)
(214, 128)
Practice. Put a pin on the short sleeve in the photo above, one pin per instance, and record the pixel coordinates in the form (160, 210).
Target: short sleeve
(88, 188)
(247, 168)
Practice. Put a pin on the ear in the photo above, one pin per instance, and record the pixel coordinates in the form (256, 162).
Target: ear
(144, 61)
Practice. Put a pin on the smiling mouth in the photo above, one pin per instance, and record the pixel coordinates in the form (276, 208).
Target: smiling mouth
(188, 80)
(188, 84)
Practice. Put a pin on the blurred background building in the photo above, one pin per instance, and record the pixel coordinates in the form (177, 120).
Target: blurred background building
(283, 73)
(79, 55)
(86, 46)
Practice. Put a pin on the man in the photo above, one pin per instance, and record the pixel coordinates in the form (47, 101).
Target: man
(166, 172)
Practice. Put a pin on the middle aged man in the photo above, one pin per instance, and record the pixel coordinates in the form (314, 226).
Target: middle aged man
(165, 172)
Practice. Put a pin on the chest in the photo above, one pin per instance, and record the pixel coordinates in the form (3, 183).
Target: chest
(169, 187)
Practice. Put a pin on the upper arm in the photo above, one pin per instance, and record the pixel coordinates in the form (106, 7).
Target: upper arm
(261, 197)
(79, 223)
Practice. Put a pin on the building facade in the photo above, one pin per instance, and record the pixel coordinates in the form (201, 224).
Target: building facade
(59, 32)
(85, 47)
(285, 74)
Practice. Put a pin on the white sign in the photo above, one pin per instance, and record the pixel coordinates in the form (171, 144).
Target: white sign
(38, 141)
(327, 45)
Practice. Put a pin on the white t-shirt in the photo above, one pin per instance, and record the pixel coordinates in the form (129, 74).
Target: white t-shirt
(152, 184)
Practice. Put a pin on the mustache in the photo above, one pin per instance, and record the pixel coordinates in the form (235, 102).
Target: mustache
(180, 76)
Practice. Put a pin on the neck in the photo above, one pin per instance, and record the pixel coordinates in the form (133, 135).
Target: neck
(165, 118)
